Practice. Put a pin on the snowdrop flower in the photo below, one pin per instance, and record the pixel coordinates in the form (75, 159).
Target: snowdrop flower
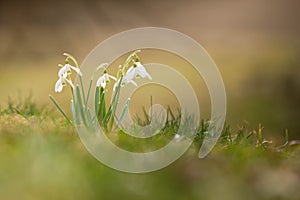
(104, 79)
(137, 70)
(67, 68)
(61, 82)
(125, 81)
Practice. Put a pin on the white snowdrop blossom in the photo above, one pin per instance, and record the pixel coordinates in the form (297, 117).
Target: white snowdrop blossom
(136, 71)
(67, 68)
(104, 79)
(61, 82)
(125, 81)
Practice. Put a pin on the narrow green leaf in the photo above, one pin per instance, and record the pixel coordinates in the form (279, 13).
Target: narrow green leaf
(96, 101)
(115, 103)
(101, 106)
(80, 105)
(89, 91)
(124, 112)
(74, 113)
(60, 109)
(111, 110)
(89, 115)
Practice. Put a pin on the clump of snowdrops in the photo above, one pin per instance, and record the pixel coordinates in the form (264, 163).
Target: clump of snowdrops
(104, 113)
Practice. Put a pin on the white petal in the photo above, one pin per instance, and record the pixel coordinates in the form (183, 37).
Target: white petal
(58, 85)
(141, 70)
(99, 81)
(103, 84)
(130, 74)
(106, 77)
(112, 77)
(70, 83)
(116, 84)
(139, 65)
(64, 76)
(177, 137)
(134, 83)
(148, 75)
(63, 70)
(77, 70)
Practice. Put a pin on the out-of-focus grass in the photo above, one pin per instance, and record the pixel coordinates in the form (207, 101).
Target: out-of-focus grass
(42, 158)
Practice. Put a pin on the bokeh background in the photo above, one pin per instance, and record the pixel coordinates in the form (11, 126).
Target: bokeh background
(255, 44)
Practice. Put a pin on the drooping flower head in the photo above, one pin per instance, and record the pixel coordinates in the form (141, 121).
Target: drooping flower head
(64, 75)
(61, 82)
(104, 79)
(136, 71)
(67, 69)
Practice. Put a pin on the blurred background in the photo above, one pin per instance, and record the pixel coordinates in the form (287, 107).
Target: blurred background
(254, 43)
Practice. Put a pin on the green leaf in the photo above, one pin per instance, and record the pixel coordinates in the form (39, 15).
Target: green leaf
(60, 109)
(124, 112)
(115, 103)
(111, 110)
(89, 115)
(74, 113)
(102, 105)
(80, 105)
(89, 91)
(101, 109)
(97, 101)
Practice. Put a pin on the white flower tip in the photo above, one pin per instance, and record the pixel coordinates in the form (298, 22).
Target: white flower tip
(177, 136)
(58, 89)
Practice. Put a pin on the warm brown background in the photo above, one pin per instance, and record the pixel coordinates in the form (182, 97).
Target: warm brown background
(255, 43)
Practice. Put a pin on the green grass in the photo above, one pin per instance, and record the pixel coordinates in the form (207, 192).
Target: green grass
(41, 157)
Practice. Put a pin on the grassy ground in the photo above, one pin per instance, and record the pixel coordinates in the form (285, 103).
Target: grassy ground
(41, 157)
